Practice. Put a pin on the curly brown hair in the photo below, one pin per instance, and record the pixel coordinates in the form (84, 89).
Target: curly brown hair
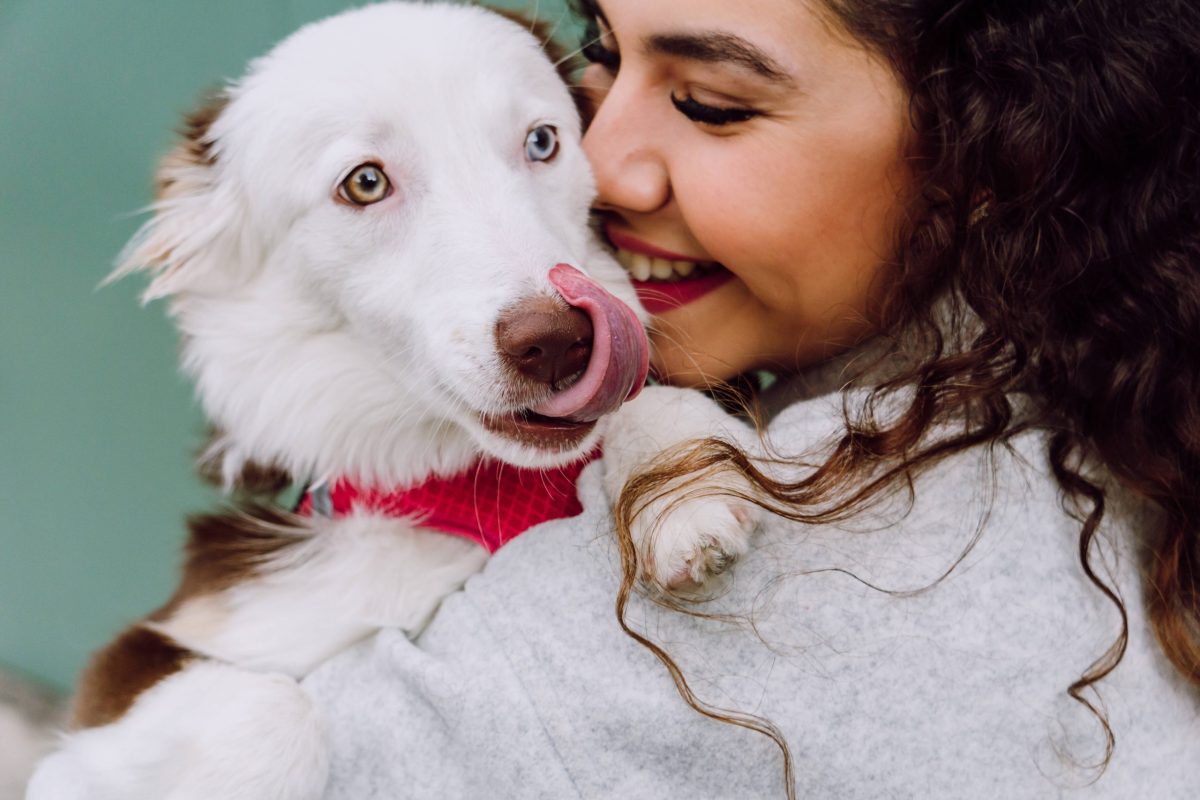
(1080, 124)
(1058, 169)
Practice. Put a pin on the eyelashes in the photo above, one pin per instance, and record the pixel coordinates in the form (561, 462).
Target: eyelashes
(711, 115)
(596, 53)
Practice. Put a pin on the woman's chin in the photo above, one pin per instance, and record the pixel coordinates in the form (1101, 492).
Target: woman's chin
(679, 368)
(730, 332)
(707, 340)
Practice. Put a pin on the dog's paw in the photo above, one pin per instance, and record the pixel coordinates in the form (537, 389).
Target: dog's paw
(693, 534)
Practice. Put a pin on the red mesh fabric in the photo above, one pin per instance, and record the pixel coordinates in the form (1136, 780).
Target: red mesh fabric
(490, 503)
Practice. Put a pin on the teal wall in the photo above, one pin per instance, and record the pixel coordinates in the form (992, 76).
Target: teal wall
(97, 428)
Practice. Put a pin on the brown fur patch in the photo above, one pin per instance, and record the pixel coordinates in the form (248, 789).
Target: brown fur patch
(197, 125)
(118, 674)
(223, 550)
(254, 481)
(196, 149)
(230, 548)
(260, 479)
(198, 122)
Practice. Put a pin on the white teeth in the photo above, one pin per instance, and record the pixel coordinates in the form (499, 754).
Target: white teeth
(640, 266)
(661, 268)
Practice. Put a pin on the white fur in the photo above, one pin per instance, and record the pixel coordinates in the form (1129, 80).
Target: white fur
(24, 738)
(353, 576)
(210, 732)
(336, 341)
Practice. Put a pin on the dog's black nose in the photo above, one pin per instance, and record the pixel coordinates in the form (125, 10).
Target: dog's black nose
(544, 340)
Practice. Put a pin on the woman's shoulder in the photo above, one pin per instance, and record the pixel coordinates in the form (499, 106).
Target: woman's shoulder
(925, 649)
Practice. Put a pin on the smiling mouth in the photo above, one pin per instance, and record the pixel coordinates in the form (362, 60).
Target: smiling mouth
(646, 268)
(663, 280)
(534, 430)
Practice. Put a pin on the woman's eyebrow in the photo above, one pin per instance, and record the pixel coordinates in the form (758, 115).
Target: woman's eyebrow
(715, 48)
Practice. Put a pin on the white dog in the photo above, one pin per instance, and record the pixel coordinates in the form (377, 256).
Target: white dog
(376, 247)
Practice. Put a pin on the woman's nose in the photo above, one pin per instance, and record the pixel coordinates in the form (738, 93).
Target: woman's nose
(621, 145)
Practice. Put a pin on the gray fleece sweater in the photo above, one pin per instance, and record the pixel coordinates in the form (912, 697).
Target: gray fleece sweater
(523, 686)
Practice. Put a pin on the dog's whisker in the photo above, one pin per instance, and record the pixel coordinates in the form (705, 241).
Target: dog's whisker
(584, 46)
(574, 53)
(562, 16)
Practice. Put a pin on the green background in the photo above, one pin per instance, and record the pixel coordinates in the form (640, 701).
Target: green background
(97, 428)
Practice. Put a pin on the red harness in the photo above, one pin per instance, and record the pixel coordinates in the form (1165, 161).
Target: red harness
(490, 503)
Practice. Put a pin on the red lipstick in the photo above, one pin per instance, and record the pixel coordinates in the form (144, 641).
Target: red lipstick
(628, 242)
(660, 296)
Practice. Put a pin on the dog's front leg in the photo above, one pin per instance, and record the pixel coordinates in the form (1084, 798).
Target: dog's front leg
(694, 526)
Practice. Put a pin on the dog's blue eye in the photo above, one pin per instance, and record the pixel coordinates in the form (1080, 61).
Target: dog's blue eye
(367, 184)
(542, 143)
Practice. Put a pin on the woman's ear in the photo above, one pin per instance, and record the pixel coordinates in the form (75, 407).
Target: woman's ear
(192, 236)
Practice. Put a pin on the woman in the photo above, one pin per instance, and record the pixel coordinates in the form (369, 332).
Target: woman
(968, 234)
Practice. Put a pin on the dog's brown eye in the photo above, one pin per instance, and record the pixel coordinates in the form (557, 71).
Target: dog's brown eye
(365, 185)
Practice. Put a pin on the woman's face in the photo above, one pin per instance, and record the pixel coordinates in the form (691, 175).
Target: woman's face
(756, 141)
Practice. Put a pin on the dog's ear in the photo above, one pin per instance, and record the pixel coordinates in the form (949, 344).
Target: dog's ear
(194, 219)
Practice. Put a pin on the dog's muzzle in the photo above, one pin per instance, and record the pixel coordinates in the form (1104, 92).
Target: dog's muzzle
(596, 337)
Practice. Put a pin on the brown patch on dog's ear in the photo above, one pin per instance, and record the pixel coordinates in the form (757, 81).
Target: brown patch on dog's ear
(194, 230)
(567, 63)
(196, 147)
(118, 674)
(197, 124)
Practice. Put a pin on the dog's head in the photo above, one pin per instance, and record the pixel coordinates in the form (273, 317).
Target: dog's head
(376, 246)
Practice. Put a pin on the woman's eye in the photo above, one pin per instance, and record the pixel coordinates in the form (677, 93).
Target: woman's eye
(367, 184)
(542, 143)
(711, 115)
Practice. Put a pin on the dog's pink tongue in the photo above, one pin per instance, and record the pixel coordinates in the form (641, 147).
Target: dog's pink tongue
(620, 353)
